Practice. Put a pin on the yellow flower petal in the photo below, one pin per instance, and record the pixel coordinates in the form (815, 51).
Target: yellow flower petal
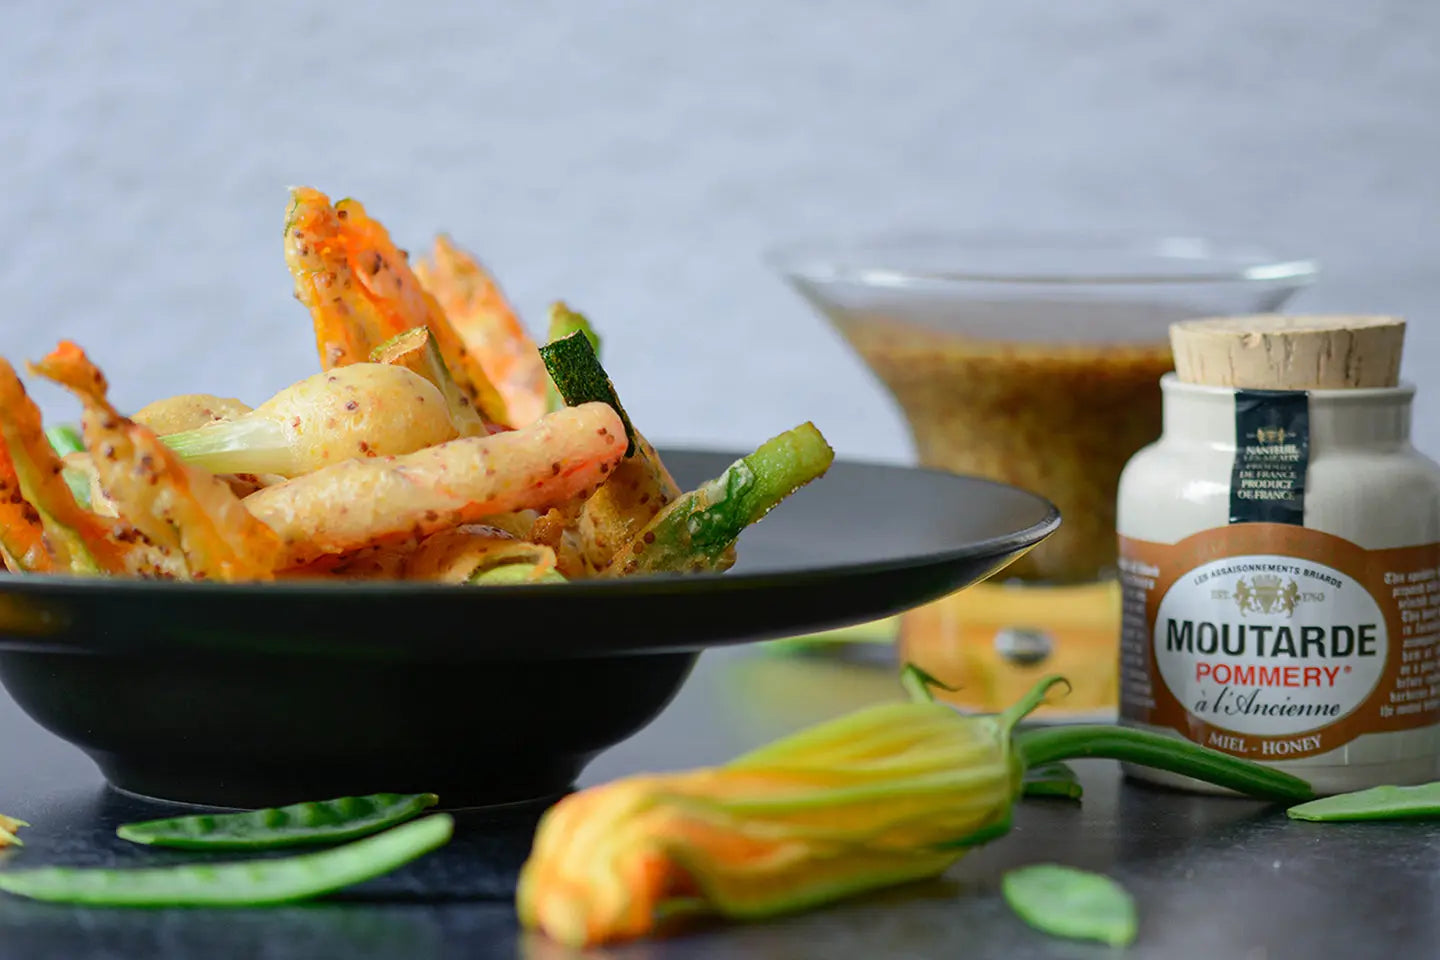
(886, 795)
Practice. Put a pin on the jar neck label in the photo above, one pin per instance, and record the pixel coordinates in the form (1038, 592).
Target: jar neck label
(1272, 452)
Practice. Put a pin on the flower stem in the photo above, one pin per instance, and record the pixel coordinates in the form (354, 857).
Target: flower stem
(1023, 707)
(917, 684)
(1049, 744)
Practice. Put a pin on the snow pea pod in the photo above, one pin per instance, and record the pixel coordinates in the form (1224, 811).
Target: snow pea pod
(1420, 802)
(1066, 902)
(324, 821)
(243, 883)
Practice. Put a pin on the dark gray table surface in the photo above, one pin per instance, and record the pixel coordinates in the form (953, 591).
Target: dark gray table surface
(1214, 878)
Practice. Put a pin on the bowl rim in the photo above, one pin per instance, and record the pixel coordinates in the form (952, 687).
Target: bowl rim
(1023, 539)
(860, 259)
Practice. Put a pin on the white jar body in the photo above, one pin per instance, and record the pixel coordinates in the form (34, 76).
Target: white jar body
(1364, 484)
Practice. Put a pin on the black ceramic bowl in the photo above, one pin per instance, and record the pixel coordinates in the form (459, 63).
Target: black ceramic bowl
(249, 695)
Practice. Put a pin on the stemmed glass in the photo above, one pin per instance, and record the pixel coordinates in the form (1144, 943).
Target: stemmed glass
(1034, 360)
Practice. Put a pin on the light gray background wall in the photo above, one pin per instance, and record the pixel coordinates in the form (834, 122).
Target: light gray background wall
(634, 157)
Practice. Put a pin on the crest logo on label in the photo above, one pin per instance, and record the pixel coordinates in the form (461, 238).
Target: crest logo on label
(1272, 434)
(1267, 593)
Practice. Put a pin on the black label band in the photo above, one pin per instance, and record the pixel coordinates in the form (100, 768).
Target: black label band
(1272, 451)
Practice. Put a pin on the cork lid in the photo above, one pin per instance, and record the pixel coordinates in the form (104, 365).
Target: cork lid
(1278, 352)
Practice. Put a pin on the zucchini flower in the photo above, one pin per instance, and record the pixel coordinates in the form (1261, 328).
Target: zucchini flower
(889, 794)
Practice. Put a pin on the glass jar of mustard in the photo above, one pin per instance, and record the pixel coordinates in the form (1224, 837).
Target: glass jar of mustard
(1280, 555)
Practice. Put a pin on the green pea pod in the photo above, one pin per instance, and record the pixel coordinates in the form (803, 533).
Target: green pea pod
(1421, 802)
(1052, 780)
(1071, 903)
(325, 821)
(243, 883)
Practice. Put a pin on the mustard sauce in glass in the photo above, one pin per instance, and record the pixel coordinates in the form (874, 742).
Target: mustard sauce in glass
(1033, 361)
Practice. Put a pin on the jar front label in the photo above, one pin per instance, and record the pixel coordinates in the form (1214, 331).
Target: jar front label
(1271, 641)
